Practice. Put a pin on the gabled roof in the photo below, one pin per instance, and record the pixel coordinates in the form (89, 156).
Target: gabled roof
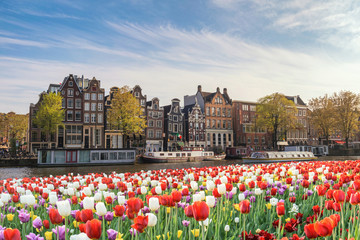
(66, 79)
(296, 99)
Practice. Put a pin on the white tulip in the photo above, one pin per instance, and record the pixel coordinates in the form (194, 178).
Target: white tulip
(64, 208)
(202, 194)
(234, 190)
(50, 187)
(237, 220)
(154, 204)
(222, 189)
(88, 203)
(158, 190)
(102, 187)
(87, 191)
(76, 185)
(258, 191)
(241, 196)
(227, 228)
(81, 236)
(53, 199)
(98, 196)
(5, 197)
(274, 201)
(194, 185)
(196, 197)
(210, 185)
(152, 219)
(210, 201)
(100, 209)
(31, 200)
(91, 186)
(121, 200)
(143, 190)
(224, 180)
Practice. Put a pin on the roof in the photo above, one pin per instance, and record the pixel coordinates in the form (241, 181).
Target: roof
(296, 99)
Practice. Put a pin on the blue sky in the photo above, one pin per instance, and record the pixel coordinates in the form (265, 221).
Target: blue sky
(253, 48)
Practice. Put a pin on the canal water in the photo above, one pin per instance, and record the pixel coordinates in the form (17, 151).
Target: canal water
(21, 172)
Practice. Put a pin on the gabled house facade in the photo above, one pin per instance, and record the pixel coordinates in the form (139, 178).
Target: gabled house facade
(194, 126)
(155, 126)
(173, 126)
(139, 140)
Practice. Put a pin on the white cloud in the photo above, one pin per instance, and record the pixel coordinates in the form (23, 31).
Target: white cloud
(14, 41)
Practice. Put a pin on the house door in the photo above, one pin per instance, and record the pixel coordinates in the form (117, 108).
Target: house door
(86, 142)
(71, 156)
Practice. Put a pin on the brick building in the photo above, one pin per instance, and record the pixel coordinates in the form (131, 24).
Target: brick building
(155, 126)
(173, 126)
(194, 126)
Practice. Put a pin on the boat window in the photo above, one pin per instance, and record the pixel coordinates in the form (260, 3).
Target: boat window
(161, 154)
(113, 155)
(121, 155)
(210, 154)
(169, 154)
(183, 154)
(94, 156)
(131, 155)
(104, 156)
(189, 154)
(178, 154)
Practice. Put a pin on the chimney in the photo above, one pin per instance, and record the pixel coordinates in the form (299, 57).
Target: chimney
(295, 99)
(225, 91)
(199, 88)
(217, 89)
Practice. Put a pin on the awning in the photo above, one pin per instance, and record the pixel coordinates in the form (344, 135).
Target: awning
(340, 142)
(282, 143)
(3, 147)
(181, 144)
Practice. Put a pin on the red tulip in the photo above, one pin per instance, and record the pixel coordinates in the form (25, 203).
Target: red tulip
(329, 205)
(324, 227)
(74, 200)
(355, 198)
(176, 195)
(119, 210)
(339, 196)
(55, 217)
(108, 200)
(12, 234)
(305, 183)
(15, 198)
(316, 209)
(310, 232)
(82, 227)
(134, 205)
(93, 228)
(356, 185)
(335, 218)
(251, 184)
(216, 193)
(292, 199)
(46, 224)
(131, 194)
(185, 192)
(140, 223)
(273, 191)
(329, 194)
(200, 210)
(86, 215)
(244, 206)
(280, 209)
(242, 188)
(229, 187)
(189, 211)
(321, 190)
(336, 207)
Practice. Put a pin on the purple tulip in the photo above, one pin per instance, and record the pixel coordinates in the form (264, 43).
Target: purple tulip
(24, 216)
(281, 191)
(252, 199)
(109, 216)
(37, 223)
(133, 232)
(111, 234)
(33, 236)
(73, 213)
(61, 232)
(146, 210)
(185, 223)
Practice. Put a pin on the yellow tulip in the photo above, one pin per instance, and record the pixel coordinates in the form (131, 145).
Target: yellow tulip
(195, 232)
(76, 224)
(204, 184)
(34, 217)
(119, 236)
(237, 207)
(179, 233)
(268, 206)
(10, 217)
(168, 210)
(287, 220)
(158, 236)
(48, 235)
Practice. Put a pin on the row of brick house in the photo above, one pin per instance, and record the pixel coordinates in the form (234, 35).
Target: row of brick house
(211, 120)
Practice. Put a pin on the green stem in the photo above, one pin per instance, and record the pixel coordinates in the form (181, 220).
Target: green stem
(103, 228)
(244, 226)
(66, 233)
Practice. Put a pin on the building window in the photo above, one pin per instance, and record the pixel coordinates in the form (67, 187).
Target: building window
(245, 107)
(213, 111)
(304, 112)
(100, 96)
(213, 123)
(214, 139)
(87, 96)
(137, 94)
(100, 118)
(170, 117)
(73, 134)
(77, 103)
(156, 106)
(229, 112)
(175, 127)
(207, 111)
(208, 137)
(175, 118)
(70, 92)
(180, 127)
(218, 110)
(100, 106)
(219, 139)
(224, 139)
(224, 112)
(253, 108)
(93, 107)
(151, 123)
(150, 133)
(249, 140)
(93, 117)
(97, 136)
(229, 124)
(86, 118)
(300, 113)
(263, 140)
(224, 124)
(71, 83)
(62, 103)
(158, 134)
(208, 123)
(197, 125)
(93, 96)
(218, 124)
(180, 118)
(142, 102)
(69, 115)
(78, 116)
(70, 103)
(229, 137)
(87, 106)
(158, 124)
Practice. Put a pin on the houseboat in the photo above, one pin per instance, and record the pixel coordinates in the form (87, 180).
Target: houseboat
(188, 154)
(82, 157)
(257, 157)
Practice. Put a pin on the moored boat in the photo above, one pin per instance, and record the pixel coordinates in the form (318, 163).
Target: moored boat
(188, 154)
(256, 157)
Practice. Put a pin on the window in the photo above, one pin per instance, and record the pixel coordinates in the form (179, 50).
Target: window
(207, 111)
(158, 124)
(70, 103)
(151, 123)
(137, 94)
(213, 124)
(208, 123)
(213, 111)
(300, 113)
(249, 140)
(170, 127)
(218, 111)
(197, 125)
(142, 102)
(253, 108)
(175, 118)
(170, 117)
(93, 106)
(304, 121)
(218, 124)
(180, 118)
(97, 136)
(245, 107)
(229, 112)
(224, 124)
(175, 127)
(219, 139)
(158, 134)
(156, 106)
(77, 103)
(100, 96)
(87, 96)
(77, 115)
(229, 137)
(93, 117)
(69, 115)
(304, 112)
(229, 124)
(208, 136)
(71, 83)
(87, 106)
(263, 140)
(70, 92)
(150, 133)
(224, 112)
(214, 139)
(93, 96)
(180, 127)
(224, 138)
(62, 103)
(86, 118)
(100, 118)
(100, 106)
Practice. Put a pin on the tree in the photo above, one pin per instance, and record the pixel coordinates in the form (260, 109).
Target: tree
(18, 125)
(50, 114)
(346, 113)
(125, 113)
(322, 115)
(277, 114)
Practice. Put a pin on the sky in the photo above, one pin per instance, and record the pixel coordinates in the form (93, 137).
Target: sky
(251, 47)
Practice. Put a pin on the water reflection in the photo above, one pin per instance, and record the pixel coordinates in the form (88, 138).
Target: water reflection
(40, 172)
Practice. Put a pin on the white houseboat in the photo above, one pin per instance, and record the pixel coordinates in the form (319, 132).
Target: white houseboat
(80, 157)
(188, 154)
(256, 157)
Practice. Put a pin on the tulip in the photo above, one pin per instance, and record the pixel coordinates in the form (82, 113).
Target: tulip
(152, 219)
(134, 205)
(176, 196)
(339, 196)
(244, 206)
(53, 199)
(189, 211)
(221, 189)
(88, 203)
(55, 217)
(200, 210)
(154, 204)
(321, 190)
(210, 201)
(64, 208)
(310, 231)
(280, 209)
(158, 190)
(324, 227)
(100, 209)
(93, 228)
(12, 234)
(140, 223)
(121, 200)
(119, 210)
(81, 236)
(194, 185)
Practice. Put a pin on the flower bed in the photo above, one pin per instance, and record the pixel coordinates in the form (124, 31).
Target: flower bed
(302, 200)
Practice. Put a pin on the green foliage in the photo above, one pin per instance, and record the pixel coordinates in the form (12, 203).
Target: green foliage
(13, 147)
(276, 114)
(125, 113)
(50, 114)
